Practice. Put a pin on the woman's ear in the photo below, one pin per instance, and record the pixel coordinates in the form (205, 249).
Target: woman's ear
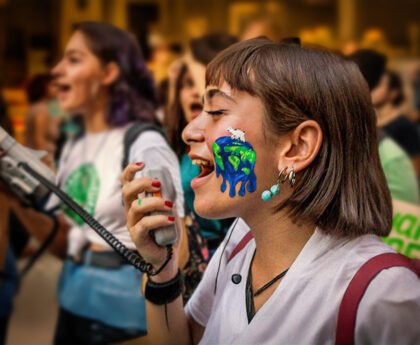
(302, 147)
(111, 73)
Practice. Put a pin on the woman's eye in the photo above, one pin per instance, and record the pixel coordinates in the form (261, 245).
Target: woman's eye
(215, 112)
(73, 60)
(187, 83)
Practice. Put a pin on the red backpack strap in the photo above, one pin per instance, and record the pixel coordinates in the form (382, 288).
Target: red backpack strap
(346, 323)
(241, 245)
(416, 264)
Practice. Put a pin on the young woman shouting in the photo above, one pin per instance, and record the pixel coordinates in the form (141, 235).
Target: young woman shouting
(287, 142)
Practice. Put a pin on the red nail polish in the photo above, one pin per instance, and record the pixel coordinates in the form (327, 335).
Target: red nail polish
(171, 219)
(139, 164)
(169, 204)
(156, 183)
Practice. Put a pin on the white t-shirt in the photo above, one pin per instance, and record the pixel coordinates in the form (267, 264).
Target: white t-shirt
(89, 172)
(304, 307)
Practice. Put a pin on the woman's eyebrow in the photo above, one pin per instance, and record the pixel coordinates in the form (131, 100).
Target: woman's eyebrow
(210, 94)
(74, 51)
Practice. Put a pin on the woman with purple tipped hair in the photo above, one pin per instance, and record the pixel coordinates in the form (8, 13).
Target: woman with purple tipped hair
(103, 78)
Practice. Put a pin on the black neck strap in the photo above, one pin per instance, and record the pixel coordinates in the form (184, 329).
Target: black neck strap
(249, 294)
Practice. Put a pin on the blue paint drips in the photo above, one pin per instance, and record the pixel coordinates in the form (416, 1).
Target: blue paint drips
(235, 161)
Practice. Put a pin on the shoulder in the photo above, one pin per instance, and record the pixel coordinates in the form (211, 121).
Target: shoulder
(153, 136)
(391, 302)
(390, 305)
(150, 138)
(399, 172)
(390, 309)
(390, 151)
(152, 146)
(348, 253)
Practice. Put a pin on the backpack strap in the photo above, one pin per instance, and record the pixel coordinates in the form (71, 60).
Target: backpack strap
(241, 245)
(133, 133)
(346, 323)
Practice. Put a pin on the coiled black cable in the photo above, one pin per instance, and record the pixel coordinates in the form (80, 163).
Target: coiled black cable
(132, 257)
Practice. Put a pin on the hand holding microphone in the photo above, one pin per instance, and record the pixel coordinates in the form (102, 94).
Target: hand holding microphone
(149, 208)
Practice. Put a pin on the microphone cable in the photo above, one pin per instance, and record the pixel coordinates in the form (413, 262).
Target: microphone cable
(131, 257)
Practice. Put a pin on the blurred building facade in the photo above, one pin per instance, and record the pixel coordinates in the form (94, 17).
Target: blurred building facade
(34, 32)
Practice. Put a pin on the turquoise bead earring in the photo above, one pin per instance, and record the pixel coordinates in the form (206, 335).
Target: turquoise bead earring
(274, 190)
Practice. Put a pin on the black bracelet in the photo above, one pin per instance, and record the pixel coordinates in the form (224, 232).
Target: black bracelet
(163, 293)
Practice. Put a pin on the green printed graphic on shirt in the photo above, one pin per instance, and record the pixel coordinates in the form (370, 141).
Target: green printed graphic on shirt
(405, 233)
(83, 186)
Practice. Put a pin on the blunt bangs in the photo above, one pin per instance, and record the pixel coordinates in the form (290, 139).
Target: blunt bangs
(235, 68)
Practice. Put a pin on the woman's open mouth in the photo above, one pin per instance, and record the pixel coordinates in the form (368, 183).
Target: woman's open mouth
(62, 89)
(196, 109)
(206, 169)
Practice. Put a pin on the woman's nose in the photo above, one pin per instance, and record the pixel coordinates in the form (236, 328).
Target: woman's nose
(56, 71)
(195, 92)
(194, 131)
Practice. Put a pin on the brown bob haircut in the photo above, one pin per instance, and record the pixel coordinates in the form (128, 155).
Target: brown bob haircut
(343, 191)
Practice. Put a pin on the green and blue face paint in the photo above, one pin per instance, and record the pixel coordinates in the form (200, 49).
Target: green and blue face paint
(235, 161)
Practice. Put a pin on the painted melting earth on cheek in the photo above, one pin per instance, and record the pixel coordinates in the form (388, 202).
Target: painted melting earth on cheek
(235, 161)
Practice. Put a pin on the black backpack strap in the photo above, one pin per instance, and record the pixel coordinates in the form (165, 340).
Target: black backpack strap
(133, 133)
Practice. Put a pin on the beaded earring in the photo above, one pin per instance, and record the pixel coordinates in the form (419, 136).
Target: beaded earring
(284, 176)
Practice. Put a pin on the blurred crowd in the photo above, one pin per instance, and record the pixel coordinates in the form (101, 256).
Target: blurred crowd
(176, 100)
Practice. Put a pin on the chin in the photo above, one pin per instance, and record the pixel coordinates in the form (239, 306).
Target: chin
(216, 207)
(71, 108)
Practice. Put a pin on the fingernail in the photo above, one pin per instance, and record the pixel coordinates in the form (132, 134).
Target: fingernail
(171, 219)
(138, 201)
(169, 204)
(156, 183)
(139, 164)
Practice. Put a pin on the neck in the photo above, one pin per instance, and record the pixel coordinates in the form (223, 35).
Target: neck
(95, 116)
(278, 240)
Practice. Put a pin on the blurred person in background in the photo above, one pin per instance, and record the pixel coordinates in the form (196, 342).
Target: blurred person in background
(47, 125)
(163, 85)
(103, 78)
(393, 120)
(186, 89)
(398, 169)
(44, 117)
